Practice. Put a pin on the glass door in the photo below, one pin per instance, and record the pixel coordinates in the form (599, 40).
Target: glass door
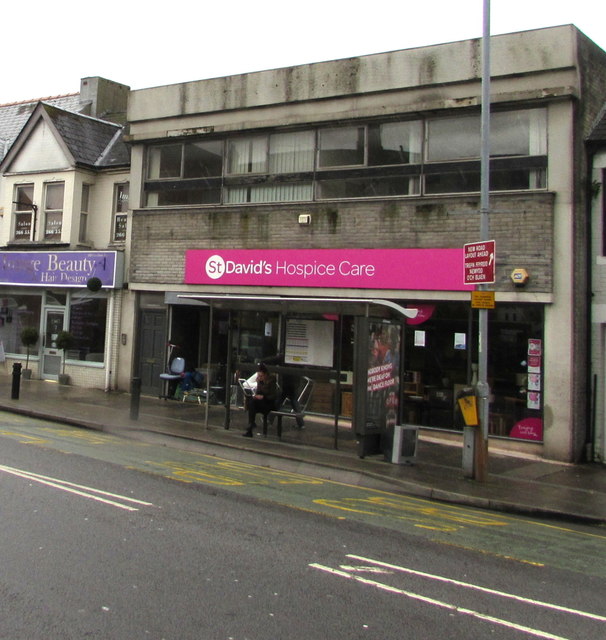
(51, 356)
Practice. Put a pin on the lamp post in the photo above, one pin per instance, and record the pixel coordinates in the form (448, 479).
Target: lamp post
(482, 388)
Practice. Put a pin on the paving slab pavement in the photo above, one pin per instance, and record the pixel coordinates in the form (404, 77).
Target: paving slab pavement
(515, 483)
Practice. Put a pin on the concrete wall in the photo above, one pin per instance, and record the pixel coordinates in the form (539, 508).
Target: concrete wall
(449, 64)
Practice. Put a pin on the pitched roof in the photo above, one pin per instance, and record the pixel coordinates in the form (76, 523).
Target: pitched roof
(14, 115)
(87, 141)
(91, 142)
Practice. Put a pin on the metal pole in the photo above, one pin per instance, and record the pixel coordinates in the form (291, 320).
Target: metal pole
(135, 397)
(482, 388)
(16, 383)
(208, 362)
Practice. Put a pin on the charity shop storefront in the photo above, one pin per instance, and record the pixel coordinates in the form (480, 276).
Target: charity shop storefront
(57, 313)
(387, 336)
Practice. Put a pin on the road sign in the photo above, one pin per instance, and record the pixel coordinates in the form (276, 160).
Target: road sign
(479, 259)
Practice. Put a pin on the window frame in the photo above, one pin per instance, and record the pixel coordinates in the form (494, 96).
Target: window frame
(120, 215)
(84, 211)
(28, 212)
(50, 214)
(375, 173)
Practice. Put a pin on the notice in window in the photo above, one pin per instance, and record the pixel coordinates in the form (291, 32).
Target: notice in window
(309, 342)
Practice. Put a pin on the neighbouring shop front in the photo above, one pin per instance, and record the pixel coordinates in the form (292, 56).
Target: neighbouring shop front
(375, 361)
(54, 291)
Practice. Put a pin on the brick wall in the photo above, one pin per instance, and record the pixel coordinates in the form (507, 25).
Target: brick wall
(522, 226)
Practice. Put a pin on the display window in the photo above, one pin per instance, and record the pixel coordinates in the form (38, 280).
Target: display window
(440, 355)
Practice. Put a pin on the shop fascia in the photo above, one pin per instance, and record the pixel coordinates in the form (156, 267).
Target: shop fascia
(411, 269)
(61, 268)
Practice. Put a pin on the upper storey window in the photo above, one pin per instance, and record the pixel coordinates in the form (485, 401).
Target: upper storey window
(518, 148)
(191, 169)
(364, 160)
(341, 147)
(53, 210)
(24, 209)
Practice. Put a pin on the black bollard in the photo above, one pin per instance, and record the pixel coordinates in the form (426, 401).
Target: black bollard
(135, 396)
(16, 380)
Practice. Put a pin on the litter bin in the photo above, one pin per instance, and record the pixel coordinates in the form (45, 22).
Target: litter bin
(405, 440)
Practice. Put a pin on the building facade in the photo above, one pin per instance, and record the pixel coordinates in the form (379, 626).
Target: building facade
(65, 181)
(317, 215)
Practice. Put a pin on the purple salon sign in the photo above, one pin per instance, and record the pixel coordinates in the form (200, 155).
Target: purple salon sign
(60, 268)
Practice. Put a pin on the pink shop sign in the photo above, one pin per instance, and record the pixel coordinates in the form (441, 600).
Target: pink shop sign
(413, 269)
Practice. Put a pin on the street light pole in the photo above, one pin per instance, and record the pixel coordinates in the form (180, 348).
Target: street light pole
(482, 388)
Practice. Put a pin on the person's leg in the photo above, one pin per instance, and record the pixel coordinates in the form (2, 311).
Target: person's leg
(253, 409)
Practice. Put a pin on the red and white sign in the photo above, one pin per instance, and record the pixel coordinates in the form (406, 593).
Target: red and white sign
(479, 259)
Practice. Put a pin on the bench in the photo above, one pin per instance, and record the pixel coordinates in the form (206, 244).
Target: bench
(287, 411)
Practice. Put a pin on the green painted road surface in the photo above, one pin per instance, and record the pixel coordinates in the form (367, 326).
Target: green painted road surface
(575, 547)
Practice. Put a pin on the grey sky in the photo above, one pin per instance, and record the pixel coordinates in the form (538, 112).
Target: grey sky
(48, 47)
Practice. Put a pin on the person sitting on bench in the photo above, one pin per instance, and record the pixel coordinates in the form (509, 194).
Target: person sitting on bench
(264, 399)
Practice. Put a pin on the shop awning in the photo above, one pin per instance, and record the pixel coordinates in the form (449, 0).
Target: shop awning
(373, 307)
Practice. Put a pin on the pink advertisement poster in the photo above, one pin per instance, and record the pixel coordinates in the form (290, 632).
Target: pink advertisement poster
(413, 269)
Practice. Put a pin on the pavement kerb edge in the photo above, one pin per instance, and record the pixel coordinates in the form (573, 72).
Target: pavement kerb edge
(392, 484)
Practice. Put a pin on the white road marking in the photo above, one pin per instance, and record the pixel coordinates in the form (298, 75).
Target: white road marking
(77, 489)
(438, 603)
(467, 585)
(347, 567)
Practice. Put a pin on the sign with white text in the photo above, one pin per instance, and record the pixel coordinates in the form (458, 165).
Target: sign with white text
(479, 262)
(414, 269)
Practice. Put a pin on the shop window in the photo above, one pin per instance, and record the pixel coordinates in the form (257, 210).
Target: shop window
(18, 311)
(53, 210)
(120, 209)
(87, 322)
(441, 359)
(24, 209)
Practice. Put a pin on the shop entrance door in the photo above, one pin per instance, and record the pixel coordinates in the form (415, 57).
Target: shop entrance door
(51, 356)
(152, 350)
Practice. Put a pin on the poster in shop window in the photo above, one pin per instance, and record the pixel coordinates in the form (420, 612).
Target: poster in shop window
(309, 342)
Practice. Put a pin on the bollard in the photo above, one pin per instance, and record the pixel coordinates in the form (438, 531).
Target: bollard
(135, 396)
(16, 380)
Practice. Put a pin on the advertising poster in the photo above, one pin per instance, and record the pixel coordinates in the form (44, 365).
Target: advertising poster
(383, 382)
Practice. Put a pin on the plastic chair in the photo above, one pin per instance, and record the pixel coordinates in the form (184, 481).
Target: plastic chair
(177, 367)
